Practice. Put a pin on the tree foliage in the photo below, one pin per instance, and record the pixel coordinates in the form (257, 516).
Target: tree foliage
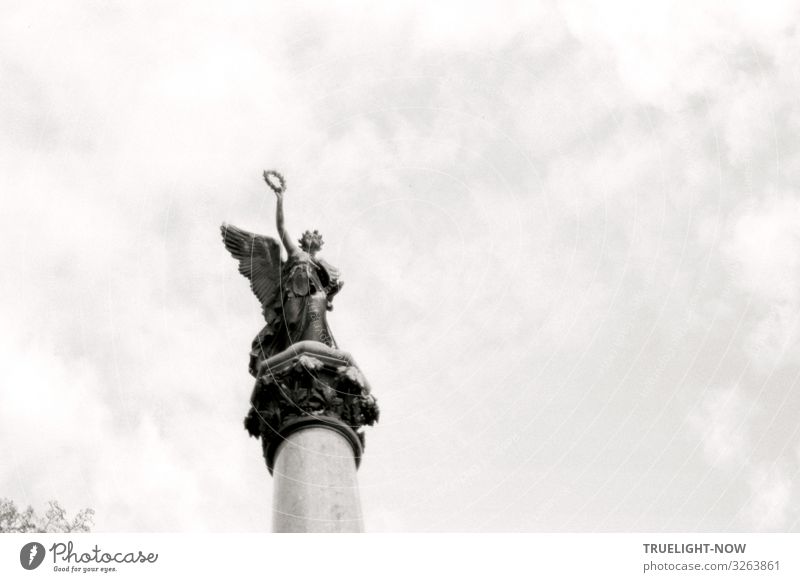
(53, 521)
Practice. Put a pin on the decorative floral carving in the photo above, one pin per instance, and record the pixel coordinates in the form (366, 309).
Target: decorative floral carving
(309, 387)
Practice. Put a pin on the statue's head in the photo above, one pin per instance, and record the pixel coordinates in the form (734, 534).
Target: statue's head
(311, 242)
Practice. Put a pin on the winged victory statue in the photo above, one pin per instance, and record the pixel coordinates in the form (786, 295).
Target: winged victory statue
(302, 377)
(295, 293)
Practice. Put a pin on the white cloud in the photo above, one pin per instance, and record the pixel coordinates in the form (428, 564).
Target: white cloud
(723, 420)
(770, 508)
(666, 52)
(765, 243)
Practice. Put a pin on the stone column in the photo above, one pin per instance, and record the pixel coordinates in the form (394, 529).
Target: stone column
(315, 482)
(308, 405)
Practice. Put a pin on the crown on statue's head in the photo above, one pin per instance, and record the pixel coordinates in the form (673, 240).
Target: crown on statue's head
(311, 241)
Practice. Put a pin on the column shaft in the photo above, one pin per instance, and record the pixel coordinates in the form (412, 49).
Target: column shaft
(316, 489)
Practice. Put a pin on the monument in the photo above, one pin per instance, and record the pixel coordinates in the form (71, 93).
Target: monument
(310, 401)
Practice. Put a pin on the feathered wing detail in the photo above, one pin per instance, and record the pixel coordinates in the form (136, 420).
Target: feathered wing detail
(259, 259)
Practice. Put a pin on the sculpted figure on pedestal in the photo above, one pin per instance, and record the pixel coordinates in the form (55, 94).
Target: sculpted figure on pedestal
(301, 374)
(295, 294)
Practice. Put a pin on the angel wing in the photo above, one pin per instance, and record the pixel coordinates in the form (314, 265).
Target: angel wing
(259, 260)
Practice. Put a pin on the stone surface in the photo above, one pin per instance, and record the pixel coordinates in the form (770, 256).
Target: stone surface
(316, 489)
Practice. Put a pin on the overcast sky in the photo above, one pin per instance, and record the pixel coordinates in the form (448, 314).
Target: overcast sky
(569, 234)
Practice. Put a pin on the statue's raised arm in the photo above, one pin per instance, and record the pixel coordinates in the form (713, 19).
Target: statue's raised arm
(277, 184)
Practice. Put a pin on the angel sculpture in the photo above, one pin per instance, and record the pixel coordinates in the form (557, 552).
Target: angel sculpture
(295, 294)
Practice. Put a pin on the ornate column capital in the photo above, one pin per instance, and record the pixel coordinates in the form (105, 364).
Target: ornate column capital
(309, 384)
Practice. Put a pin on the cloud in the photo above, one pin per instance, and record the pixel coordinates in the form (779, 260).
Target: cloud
(666, 53)
(765, 243)
(722, 419)
(771, 506)
(764, 249)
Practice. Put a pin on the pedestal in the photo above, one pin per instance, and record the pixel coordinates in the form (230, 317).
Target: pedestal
(308, 406)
